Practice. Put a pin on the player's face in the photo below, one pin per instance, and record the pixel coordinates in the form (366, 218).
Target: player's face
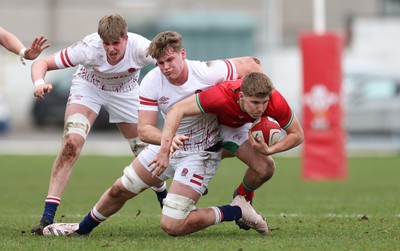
(173, 66)
(115, 50)
(254, 106)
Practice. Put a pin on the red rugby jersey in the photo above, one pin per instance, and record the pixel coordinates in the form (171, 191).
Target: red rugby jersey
(223, 100)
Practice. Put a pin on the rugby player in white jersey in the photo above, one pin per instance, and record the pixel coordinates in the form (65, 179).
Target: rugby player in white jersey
(109, 64)
(194, 165)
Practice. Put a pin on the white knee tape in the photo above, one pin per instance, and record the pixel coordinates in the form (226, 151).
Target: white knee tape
(132, 182)
(177, 206)
(136, 145)
(77, 123)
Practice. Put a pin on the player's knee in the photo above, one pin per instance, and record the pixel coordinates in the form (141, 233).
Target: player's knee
(77, 123)
(71, 148)
(169, 229)
(177, 208)
(264, 167)
(116, 190)
(269, 169)
(132, 182)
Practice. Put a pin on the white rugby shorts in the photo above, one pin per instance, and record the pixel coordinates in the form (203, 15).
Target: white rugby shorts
(232, 138)
(122, 106)
(194, 169)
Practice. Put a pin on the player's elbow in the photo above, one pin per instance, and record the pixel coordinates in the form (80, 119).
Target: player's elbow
(299, 137)
(249, 64)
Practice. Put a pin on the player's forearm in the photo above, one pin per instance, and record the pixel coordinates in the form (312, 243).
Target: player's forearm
(288, 142)
(246, 65)
(150, 134)
(169, 130)
(39, 70)
(11, 42)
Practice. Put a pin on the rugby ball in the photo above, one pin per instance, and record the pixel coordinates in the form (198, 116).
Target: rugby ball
(267, 128)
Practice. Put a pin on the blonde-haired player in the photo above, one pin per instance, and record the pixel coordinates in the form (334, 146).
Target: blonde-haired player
(109, 64)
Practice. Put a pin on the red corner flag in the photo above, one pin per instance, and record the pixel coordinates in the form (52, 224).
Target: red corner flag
(324, 153)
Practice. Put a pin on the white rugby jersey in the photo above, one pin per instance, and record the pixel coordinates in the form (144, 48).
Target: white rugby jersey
(156, 93)
(91, 57)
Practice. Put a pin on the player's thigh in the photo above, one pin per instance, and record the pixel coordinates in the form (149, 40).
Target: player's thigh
(73, 108)
(252, 157)
(128, 130)
(233, 137)
(143, 173)
(85, 98)
(144, 159)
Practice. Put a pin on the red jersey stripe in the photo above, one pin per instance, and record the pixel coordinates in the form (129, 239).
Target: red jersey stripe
(229, 76)
(148, 103)
(147, 99)
(198, 177)
(67, 57)
(63, 59)
(195, 182)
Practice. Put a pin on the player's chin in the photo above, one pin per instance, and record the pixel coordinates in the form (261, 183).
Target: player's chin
(255, 116)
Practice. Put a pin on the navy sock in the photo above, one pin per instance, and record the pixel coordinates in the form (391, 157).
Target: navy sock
(86, 226)
(160, 196)
(231, 213)
(49, 212)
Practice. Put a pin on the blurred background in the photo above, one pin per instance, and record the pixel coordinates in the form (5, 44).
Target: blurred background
(212, 29)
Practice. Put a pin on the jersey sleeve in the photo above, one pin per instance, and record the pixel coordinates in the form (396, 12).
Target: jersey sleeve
(279, 109)
(79, 53)
(148, 94)
(141, 44)
(211, 100)
(217, 71)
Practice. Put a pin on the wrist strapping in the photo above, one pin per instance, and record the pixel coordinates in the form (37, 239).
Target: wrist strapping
(38, 82)
(22, 55)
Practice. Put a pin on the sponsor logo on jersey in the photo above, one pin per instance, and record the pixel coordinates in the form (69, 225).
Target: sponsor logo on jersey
(163, 100)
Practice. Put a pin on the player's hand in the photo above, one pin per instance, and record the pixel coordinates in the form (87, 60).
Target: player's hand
(36, 48)
(159, 163)
(259, 144)
(40, 90)
(177, 142)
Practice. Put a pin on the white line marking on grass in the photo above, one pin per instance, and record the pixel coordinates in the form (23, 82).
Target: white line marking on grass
(329, 215)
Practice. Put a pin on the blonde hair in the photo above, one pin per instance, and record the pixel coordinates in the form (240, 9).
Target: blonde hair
(112, 27)
(164, 41)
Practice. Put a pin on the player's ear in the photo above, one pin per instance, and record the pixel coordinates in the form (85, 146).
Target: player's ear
(183, 53)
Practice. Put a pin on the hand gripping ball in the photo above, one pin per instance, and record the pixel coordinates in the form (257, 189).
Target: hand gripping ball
(267, 128)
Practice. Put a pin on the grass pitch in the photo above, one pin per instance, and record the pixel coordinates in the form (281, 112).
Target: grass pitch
(361, 212)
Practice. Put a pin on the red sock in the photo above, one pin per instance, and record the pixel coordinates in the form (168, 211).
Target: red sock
(248, 194)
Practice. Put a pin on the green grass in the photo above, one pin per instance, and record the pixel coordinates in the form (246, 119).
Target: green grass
(361, 212)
